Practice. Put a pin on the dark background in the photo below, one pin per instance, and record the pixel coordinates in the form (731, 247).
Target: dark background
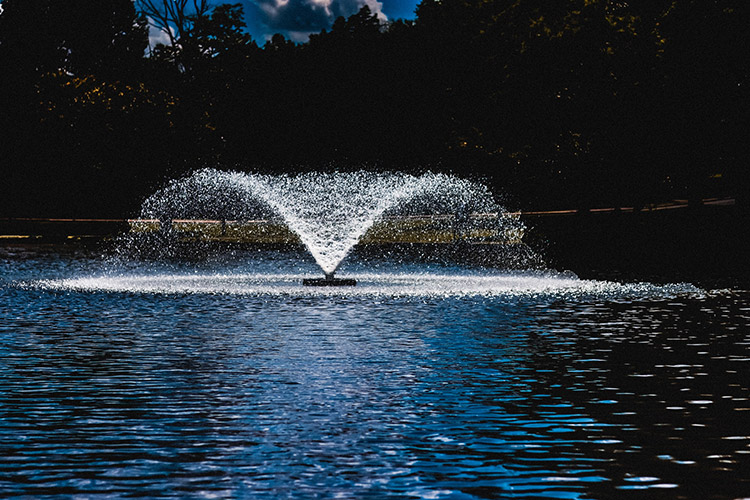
(569, 104)
(575, 104)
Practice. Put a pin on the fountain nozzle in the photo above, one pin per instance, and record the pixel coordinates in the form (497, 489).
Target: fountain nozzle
(329, 280)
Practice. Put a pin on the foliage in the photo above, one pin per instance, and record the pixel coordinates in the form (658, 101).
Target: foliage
(79, 36)
(574, 103)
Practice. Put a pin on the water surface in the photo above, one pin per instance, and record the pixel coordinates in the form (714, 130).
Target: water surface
(224, 378)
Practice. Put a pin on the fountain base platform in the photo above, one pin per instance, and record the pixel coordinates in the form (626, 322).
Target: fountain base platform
(329, 280)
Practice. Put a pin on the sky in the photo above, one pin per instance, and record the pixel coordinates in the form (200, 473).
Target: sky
(297, 19)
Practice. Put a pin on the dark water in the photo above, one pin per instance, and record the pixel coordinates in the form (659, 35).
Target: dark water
(109, 394)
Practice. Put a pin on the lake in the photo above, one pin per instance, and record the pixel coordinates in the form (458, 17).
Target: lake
(223, 377)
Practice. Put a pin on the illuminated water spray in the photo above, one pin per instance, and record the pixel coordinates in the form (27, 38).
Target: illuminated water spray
(329, 212)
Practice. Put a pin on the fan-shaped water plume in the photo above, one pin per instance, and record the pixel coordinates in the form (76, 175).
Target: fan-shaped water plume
(329, 212)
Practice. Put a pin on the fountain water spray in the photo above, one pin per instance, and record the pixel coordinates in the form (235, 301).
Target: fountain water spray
(329, 212)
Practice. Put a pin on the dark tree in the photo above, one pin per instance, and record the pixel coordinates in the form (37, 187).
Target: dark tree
(576, 103)
(198, 32)
(174, 18)
(705, 94)
(78, 36)
(64, 55)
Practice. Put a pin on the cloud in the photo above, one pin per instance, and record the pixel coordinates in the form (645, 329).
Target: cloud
(297, 19)
(156, 35)
(377, 9)
(298, 36)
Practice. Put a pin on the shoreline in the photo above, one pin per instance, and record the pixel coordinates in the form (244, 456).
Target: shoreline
(671, 241)
(57, 228)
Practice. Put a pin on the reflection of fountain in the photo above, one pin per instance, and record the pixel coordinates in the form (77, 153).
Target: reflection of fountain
(328, 212)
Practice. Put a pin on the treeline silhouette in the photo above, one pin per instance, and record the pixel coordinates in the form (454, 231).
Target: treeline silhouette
(578, 103)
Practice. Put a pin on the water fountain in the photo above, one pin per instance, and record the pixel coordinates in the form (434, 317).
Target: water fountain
(428, 379)
(328, 212)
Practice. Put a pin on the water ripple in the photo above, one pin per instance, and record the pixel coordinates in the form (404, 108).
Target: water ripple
(529, 386)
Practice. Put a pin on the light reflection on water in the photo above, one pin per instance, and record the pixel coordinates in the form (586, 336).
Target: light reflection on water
(389, 285)
(620, 392)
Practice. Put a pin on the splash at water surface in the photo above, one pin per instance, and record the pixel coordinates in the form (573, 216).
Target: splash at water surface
(435, 285)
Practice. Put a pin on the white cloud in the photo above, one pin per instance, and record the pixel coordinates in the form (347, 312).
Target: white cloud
(297, 19)
(299, 36)
(157, 36)
(324, 4)
(376, 8)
